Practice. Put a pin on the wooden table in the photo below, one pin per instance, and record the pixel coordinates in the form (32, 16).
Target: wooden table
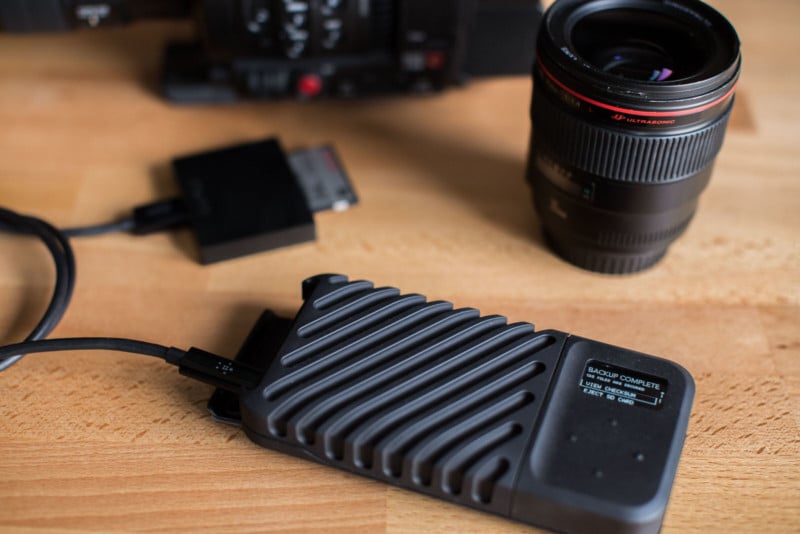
(109, 442)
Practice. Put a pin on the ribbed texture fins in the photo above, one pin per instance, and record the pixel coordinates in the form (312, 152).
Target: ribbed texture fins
(417, 427)
(344, 354)
(475, 452)
(388, 309)
(361, 372)
(373, 394)
(486, 477)
(361, 287)
(397, 388)
(605, 151)
(467, 434)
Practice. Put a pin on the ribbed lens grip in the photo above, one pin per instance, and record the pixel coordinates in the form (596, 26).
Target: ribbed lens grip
(606, 262)
(616, 155)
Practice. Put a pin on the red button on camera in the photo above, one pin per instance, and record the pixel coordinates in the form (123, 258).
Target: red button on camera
(309, 85)
(435, 60)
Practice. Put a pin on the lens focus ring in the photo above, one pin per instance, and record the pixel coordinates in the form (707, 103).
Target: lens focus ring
(618, 155)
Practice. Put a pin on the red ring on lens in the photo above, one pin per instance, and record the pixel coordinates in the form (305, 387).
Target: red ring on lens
(633, 111)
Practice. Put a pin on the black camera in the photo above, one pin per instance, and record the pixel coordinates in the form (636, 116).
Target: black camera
(313, 48)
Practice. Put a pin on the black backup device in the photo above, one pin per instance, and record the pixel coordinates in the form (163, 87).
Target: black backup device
(546, 428)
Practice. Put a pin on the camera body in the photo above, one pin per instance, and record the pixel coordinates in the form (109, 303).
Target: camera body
(313, 48)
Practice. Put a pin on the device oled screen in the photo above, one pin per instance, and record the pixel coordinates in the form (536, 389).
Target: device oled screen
(623, 386)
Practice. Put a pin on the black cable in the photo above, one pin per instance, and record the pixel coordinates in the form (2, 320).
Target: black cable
(125, 225)
(145, 219)
(195, 363)
(63, 258)
(201, 365)
(93, 343)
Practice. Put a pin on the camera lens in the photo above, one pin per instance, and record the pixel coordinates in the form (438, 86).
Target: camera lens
(630, 104)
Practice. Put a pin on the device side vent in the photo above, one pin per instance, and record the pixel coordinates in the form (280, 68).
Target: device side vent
(349, 327)
(338, 295)
(352, 307)
(475, 452)
(398, 337)
(365, 387)
(443, 416)
(349, 364)
(414, 393)
(417, 427)
(486, 478)
(345, 409)
(465, 435)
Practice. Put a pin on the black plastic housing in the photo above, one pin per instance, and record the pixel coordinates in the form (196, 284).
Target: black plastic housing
(313, 49)
(546, 428)
(243, 200)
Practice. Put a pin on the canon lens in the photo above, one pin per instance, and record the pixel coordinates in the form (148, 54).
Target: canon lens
(630, 104)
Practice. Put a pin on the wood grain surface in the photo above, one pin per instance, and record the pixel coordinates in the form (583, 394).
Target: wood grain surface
(108, 442)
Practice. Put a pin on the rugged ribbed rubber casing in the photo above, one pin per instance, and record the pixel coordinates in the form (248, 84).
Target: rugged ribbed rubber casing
(543, 427)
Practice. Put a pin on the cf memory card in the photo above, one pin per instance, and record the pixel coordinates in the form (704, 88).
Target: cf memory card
(322, 178)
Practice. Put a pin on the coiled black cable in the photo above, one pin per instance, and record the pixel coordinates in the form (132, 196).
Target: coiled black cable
(196, 363)
(61, 251)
